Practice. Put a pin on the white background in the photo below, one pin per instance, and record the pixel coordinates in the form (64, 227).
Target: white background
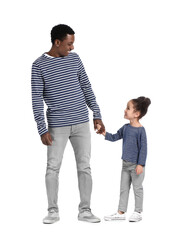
(129, 49)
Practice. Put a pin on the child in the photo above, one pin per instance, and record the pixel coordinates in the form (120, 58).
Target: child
(134, 158)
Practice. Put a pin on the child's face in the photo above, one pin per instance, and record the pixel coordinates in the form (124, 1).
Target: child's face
(129, 112)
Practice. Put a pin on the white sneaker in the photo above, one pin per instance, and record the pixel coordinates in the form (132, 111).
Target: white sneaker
(52, 217)
(115, 216)
(135, 217)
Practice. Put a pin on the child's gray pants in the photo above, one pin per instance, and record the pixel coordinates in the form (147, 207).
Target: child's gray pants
(129, 176)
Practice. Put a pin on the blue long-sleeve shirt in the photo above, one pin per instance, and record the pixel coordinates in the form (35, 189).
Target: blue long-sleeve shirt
(134, 143)
(64, 86)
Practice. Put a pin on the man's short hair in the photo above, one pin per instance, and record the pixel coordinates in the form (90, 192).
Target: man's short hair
(60, 32)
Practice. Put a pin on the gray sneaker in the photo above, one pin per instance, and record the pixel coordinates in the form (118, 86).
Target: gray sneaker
(52, 217)
(87, 216)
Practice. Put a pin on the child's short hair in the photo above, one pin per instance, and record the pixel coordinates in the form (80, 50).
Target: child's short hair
(141, 104)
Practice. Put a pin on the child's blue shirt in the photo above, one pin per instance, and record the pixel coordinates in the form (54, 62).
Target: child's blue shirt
(134, 143)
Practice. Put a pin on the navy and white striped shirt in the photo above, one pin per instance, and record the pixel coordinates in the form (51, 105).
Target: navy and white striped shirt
(134, 143)
(64, 86)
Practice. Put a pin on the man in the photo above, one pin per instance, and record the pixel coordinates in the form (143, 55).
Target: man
(59, 79)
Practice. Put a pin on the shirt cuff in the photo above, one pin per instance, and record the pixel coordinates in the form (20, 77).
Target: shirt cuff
(97, 116)
(42, 131)
(107, 136)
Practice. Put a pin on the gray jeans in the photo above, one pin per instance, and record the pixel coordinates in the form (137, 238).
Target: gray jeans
(129, 176)
(80, 138)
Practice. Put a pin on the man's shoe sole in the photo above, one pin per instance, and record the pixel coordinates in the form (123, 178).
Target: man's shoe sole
(89, 220)
(51, 221)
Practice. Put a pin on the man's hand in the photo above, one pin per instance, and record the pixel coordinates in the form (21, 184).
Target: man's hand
(99, 121)
(46, 139)
(139, 169)
(99, 127)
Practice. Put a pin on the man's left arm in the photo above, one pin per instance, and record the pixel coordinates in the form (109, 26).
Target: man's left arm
(89, 96)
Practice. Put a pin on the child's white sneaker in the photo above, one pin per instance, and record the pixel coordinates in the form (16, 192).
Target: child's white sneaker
(115, 216)
(135, 217)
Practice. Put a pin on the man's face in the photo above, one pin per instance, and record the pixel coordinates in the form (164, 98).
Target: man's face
(64, 47)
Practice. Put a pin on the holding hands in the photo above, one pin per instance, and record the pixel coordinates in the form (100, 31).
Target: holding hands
(98, 126)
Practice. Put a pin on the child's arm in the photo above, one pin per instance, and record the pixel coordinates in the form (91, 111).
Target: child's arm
(143, 148)
(112, 137)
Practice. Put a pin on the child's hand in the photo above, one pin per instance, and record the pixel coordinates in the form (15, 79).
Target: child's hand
(98, 127)
(139, 169)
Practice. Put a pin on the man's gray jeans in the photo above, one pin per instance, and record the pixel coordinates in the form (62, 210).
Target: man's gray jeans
(80, 138)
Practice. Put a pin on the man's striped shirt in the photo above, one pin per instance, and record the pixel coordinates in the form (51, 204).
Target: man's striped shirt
(64, 86)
